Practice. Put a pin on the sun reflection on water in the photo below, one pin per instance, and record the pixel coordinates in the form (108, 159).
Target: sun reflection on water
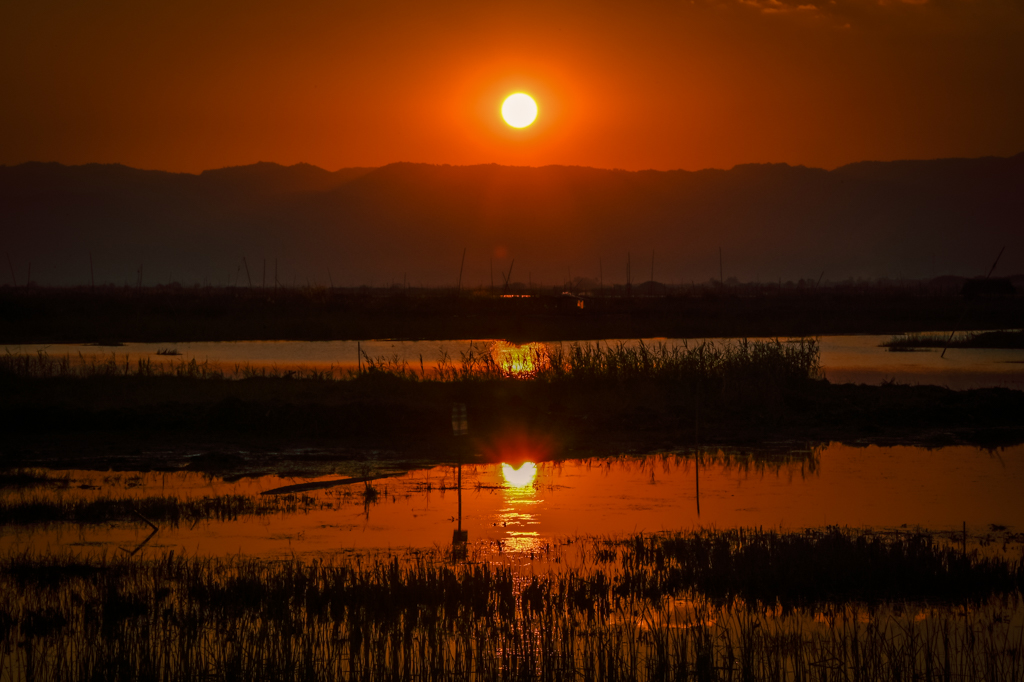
(521, 477)
(517, 517)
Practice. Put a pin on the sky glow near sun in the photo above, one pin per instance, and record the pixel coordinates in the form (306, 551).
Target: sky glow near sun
(623, 85)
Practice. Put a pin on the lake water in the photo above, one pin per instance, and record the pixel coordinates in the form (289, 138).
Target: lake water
(528, 508)
(844, 359)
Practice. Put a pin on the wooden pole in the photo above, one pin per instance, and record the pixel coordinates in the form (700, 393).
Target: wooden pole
(246, 264)
(462, 265)
(964, 313)
(629, 278)
(698, 482)
(508, 278)
(92, 276)
(696, 437)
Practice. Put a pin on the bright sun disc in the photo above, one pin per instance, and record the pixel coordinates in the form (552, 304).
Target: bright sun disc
(519, 110)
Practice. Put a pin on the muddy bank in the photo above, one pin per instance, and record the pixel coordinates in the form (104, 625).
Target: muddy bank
(152, 422)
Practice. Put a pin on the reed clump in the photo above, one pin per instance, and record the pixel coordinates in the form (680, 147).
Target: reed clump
(744, 362)
(428, 616)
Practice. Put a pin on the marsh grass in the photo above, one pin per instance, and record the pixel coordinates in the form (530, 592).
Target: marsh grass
(32, 478)
(832, 565)
(734, 363)
(42, 365)
(426, 616)
(161, 510)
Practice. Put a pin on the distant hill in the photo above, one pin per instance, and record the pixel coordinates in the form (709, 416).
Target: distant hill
(911, 219)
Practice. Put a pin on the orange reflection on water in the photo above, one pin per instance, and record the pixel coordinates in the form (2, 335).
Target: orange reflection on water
(520, 362)
(882, 487)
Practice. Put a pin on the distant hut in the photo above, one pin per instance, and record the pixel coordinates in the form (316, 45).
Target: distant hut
(570, 303)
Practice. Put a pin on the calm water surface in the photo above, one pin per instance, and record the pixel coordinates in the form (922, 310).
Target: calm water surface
(529, 507)
(845, 359)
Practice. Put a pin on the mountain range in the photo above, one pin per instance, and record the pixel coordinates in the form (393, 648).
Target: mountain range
(411, 223)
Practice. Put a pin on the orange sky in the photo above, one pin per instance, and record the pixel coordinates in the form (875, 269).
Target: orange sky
(187, 86)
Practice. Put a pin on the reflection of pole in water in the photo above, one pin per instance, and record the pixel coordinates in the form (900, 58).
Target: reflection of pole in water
(460, 427)
(696, 437)
(698, 483)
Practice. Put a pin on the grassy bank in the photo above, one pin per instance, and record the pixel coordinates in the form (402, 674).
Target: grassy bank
(636, 611)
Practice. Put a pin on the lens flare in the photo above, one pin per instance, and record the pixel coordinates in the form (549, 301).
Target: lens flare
(519, 110)
(521, 477)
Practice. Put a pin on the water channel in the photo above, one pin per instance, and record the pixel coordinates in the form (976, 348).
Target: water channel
(536, 504)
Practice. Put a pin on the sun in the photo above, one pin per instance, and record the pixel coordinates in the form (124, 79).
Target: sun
(519, 110)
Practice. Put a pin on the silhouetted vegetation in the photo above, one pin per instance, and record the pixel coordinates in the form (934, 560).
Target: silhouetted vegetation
(635, 609)
(580, 397)
(175, 315)
(28, 478)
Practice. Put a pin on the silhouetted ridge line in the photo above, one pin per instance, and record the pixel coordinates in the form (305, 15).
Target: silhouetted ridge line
(896, 220)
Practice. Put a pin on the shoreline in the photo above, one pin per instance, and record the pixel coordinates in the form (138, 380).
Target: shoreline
(156, 422)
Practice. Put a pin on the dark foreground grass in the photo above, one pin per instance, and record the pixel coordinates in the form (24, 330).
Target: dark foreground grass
(628, 613)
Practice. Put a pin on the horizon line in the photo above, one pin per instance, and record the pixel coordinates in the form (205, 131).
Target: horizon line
(511, 166)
